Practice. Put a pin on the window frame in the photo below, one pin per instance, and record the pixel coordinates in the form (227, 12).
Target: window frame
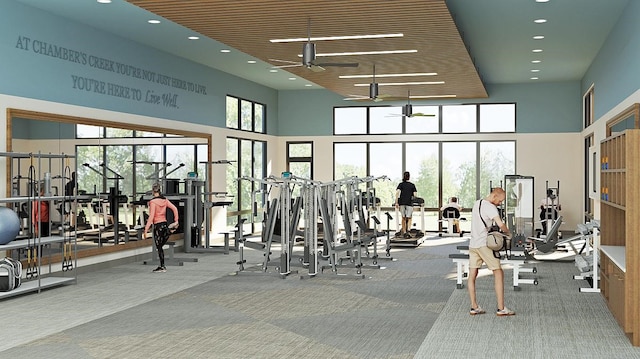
(258, 110)
(364, 123)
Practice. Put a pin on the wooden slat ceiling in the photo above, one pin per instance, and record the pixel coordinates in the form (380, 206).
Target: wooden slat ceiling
(427, 25)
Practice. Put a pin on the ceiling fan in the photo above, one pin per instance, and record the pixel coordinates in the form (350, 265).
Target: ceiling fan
(309, 57)
(374, 94)
(407, 110)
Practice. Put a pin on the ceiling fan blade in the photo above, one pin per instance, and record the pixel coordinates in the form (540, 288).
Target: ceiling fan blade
(357, 98)
(285, 66)
(285, 61)
(420, 114)
(316, 68)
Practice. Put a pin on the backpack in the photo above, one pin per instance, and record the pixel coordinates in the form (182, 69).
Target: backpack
(10, 274)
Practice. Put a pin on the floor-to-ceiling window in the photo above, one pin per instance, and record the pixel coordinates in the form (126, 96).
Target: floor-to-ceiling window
(459, 172)
(247, 159)
(465, 167)
(385, 159)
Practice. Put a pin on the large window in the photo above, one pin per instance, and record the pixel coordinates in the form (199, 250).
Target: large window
(247, 159)
(497, 159)
(422, 162)
(440, 170)
(385, 159)
(459, 172)
(300, 159)
(245, 115)
(349, 120)
(350, 159)
(385, 120)
(423, 124)
(469, 118)
(498, 118)
(459, 119)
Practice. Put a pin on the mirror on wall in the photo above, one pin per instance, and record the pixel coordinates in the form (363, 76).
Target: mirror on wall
(115, 166)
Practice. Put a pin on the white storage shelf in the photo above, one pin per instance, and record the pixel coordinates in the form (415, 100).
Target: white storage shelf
(617, 255)
(39, 283)
(36, 285)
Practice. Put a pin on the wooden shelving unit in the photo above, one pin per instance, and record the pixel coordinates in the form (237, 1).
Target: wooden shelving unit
(620, 229)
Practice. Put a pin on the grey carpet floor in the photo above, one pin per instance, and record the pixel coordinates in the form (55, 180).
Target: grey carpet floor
(253, 315)
(553, 320)
(409, 308)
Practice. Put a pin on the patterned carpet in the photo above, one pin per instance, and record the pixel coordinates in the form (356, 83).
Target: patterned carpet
(409, 308)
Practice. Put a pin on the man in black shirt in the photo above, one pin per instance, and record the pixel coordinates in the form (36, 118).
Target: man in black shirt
(404, 193)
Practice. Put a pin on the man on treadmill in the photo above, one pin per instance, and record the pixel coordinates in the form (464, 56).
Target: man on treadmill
(404, 193)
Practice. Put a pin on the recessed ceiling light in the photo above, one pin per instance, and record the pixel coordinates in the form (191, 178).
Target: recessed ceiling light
(251, 61)
(153, 21)
(534, 78)
(193, 38)
(292, 78)
(542, 0)
(538, 37)
(537, 50)
(226, 51)
(536, 61)
(104, 1)
(308, 85)
(388, 75)
(351, 37)
(386, 52)
(535, 70)
(540, 21)
(273, 70)
(403, 83)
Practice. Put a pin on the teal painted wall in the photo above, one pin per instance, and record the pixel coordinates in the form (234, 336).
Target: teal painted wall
(540, 108)
(50, 58)
(307, 113)
(614, 72)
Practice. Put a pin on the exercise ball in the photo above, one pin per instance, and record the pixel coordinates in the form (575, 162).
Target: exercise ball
(9, 225)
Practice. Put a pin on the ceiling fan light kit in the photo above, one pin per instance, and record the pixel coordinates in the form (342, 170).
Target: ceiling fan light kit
(407, 110)
(373, 90)
(308, 53)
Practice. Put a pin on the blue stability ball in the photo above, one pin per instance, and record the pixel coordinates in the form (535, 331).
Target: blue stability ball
(9, 225)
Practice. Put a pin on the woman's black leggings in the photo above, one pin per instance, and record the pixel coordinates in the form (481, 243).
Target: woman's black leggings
(160, 236)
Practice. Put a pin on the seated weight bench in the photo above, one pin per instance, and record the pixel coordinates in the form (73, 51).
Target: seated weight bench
(462, 268)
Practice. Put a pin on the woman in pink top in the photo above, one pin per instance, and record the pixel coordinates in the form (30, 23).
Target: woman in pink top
(158, 217)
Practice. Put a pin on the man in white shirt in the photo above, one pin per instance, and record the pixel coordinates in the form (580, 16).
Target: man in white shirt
(484, 213)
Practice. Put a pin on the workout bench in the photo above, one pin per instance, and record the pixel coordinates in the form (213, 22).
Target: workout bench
(462, 268)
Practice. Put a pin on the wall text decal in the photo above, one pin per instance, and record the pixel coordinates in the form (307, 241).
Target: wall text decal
(83, 83)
